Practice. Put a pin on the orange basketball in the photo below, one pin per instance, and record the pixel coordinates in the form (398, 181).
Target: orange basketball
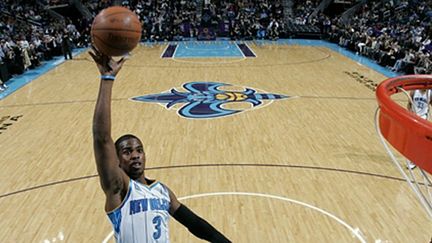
(116, 31)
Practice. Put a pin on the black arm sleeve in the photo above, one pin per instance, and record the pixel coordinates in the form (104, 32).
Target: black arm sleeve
(198, 226)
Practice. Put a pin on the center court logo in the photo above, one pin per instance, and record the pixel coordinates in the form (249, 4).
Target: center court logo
(205, 100)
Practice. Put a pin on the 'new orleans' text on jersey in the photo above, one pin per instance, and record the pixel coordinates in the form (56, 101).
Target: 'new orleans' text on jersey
(143, 215)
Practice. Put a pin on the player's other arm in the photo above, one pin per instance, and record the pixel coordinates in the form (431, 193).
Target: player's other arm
(113, 180)
(429, 105)
(195, 224)
(430, 98)
(410, 102)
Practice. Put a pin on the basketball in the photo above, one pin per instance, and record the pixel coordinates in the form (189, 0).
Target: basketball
(116, 31)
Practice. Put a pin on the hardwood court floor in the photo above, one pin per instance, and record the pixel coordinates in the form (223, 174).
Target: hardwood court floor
(310, 168)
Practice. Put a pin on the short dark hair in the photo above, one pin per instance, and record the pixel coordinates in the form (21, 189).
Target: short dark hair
(121, 139)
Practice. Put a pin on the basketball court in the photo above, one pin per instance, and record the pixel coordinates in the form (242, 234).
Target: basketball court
(285, 149)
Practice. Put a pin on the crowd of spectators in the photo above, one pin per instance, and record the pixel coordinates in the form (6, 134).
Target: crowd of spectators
(54, 2)
(247, 19)
(179, 19)
(29, 36)
(396, 34)
(167, 20)
(302, 11)
(162, 20)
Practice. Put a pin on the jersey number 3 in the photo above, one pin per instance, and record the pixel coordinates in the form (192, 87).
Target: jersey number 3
(157, 226)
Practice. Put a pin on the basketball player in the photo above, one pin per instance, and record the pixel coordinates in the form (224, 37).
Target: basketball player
(137, 207)
(421, 99)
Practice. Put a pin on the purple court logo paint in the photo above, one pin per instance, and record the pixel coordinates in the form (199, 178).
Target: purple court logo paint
(203, 100)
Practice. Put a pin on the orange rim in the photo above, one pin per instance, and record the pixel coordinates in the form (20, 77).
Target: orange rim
(406, 132)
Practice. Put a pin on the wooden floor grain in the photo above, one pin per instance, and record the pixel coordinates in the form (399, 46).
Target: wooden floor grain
(314, 153)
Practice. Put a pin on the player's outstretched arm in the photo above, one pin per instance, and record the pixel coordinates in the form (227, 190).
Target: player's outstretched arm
(112, 178)
(195, 224)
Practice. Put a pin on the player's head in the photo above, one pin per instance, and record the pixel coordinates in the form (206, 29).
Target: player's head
(131, 155)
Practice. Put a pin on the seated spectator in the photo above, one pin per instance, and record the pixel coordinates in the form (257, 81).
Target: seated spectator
(402, 63)
(424, 64)
(3, 86)
(273, 29)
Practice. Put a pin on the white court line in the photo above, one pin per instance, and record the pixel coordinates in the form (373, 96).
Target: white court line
(163, 52)
(355, 232)
(210, 63)
(175, 51)
(242, 58)
(238, 48)
(207, 49)
(251, 49)
(161, 56)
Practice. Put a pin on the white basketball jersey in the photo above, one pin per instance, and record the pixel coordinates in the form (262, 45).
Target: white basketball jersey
(421, 103)
(143, 215)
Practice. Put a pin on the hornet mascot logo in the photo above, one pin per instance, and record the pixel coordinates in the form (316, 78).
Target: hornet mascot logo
(205, 100)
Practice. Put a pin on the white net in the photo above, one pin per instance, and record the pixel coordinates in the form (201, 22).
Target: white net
(418, 179)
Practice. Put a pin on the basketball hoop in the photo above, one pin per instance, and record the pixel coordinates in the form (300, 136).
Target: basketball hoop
(407, 133)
